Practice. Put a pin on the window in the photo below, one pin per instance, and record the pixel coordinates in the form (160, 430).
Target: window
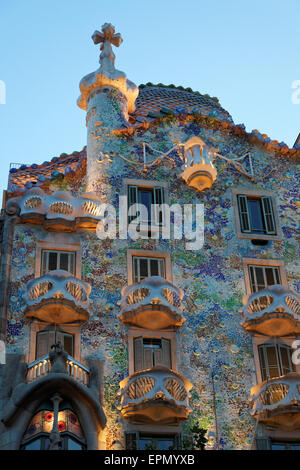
(139, 441)
(263, 276)
(256, 214)
(51, 335)
(52, 260)
(150, 198)
(37, 434)
(285, 445)
(156, 442)
(150, 352)
(145, 266)
(275, 360)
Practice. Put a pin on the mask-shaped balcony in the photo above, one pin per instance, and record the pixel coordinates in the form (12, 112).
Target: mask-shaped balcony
(198, 169)
(157, 395)
(58, 211)
(274, 311)
(57, 297)
(153, 304)
(276, 402)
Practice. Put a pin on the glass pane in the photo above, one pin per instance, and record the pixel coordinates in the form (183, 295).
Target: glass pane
(63, 261)
(34, 445)
(286, 362)
(145, 444)
(154, 267)
(68, 344)
(143, 268)
(278, 447)
(165, 444)
(256, 218)
(146, 198)
(270, 275)
(73, 445)
(260, 282)
(52, 261)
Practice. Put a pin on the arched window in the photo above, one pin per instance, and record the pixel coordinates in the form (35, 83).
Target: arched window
(41, 429)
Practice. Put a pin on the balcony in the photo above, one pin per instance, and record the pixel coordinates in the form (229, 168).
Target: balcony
(42, 367)
(57, 297)
(157, 395)
(276, 402)
(198, 169)
(58, 211)
(274, 311)
(153, 304)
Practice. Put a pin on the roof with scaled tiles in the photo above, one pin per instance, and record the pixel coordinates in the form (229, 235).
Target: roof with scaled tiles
(160, 98)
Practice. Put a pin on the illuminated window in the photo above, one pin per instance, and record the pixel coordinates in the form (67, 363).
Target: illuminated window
(275, 360)
(37, 435)
(52, 260)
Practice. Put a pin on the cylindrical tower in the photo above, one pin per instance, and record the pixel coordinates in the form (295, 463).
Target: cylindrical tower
(107, 96)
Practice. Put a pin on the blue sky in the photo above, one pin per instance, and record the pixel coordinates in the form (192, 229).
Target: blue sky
(244, 52)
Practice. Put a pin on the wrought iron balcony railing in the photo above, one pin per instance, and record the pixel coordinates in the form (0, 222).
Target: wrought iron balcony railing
(42, 366)
(60, 210)
(154, 304)
(277, 401)
(155, 395)
(57, 297)
(274, 311)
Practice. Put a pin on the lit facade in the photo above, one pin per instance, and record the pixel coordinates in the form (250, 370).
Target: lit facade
(151, 338)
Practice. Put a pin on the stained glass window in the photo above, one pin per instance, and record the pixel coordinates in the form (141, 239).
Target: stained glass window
(41, 425)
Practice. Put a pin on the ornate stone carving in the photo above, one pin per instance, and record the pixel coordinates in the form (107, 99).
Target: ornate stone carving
(107, 75)
(58, 359)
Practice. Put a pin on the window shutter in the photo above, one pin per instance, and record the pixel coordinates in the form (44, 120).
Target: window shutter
(132, 199)
(159, 218)
(131, 440)
(268, 215)
(42, 347)
(138, 354)
(148, 361)
(158, 357)
(244, 213)
(44, 262)
(263, 443)
(166, 352)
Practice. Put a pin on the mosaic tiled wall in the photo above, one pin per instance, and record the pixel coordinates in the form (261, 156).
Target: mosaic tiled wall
(211, 345)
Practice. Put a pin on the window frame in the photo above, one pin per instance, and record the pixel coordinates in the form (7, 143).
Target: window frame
(279, 359)
(258, 341)
(55, 243)
(148, 254)
(161, 267)
(257, 194)
(137, 332)
(148, 185)
(247, 262)
(164, 347)
(38, 326)
(59, 253)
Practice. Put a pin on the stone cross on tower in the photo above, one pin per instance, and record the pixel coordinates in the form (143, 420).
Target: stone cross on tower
(108, 97)
(106, 38)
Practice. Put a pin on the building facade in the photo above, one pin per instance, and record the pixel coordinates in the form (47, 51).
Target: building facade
(122, 331)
